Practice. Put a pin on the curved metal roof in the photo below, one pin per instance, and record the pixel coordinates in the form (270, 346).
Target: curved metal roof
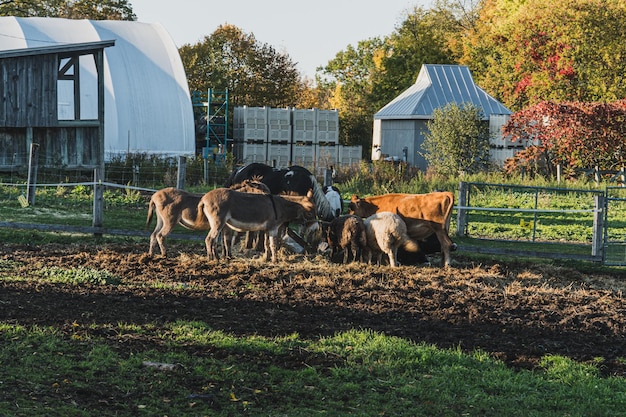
(147, 104)
(436, 86)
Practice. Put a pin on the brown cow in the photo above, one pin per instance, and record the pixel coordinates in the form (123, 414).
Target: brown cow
(174, 206)
(424, 214)
(224, 207)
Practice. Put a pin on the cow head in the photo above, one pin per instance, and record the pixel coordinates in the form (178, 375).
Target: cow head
(361, 207)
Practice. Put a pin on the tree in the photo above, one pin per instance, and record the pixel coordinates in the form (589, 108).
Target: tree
(254, 73)
(457, 140)
(98, 10)
(78, 9)
(30, 8)
(535, 50)
(575, 135)
(348, 80)
(361, 80)
(422, 38)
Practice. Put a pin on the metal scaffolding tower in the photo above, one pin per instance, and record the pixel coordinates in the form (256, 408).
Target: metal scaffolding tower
(216, 105)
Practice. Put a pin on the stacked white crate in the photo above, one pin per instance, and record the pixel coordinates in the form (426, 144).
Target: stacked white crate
(279, 154)
(279, 125)
(303, 154)
(326, 137)
(279, 137)
(327, 127)
(250, 133)
(304, 133)
(349, 155)
(304, 122)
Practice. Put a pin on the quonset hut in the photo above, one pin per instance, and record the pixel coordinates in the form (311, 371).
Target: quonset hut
(400, 126)
(147, 107)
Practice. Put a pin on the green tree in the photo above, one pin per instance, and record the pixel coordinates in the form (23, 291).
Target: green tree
(98, 10)
(457, 140)
(347, 79)
(424, 37)
(530, 51)
(78, 9)
(254, 72)
(30, 8)
(361, 80)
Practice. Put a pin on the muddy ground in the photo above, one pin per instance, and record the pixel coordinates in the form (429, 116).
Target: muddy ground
(517, 312)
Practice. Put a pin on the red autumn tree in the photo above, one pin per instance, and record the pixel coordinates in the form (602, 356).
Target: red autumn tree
(574, 134)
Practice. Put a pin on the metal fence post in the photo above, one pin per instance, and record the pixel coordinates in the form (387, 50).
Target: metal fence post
(461, 214)
(597, 240)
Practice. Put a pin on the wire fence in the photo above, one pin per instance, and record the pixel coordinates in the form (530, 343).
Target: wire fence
(136, 170)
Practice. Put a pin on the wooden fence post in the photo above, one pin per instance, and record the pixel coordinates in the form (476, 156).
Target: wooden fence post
(33, 162)
(597, 239)
(461, 214)
(182, 172)
(98, 199)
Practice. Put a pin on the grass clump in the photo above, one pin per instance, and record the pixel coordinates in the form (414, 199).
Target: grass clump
(78, 276)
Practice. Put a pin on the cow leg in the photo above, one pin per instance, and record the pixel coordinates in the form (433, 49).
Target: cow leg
(345, 254)
(446, 245)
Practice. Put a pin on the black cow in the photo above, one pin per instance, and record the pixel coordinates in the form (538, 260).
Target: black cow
(428, 246)
(295, 180)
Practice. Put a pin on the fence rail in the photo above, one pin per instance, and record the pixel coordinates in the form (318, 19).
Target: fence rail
(464, 208)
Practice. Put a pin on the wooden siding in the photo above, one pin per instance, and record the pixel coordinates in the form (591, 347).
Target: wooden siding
(28, 91)
(67, 147)
(13, 147)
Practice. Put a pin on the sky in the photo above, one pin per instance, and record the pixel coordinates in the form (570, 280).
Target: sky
(310, 32)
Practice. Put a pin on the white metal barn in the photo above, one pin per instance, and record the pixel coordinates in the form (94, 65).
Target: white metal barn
(147, 104)
(400, 126)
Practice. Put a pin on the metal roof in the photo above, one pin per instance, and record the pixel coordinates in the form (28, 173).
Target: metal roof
(84, 47)
(436, 86)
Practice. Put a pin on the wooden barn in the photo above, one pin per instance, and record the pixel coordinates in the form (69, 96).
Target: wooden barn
(64, 82)
(29, 106)
(401, 125)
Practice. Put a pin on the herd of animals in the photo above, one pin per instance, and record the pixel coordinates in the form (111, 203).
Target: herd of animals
(261, 201)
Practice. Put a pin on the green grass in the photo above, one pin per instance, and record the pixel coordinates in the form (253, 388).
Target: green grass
(370, 374)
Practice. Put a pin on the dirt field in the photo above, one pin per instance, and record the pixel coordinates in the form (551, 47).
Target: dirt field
(517, 313)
